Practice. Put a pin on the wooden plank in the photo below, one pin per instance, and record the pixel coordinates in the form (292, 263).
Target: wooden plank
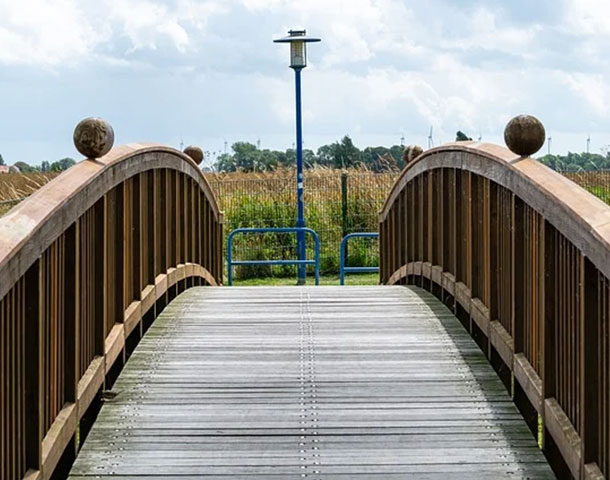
(373, 382)
(89, 384)
(564, 434)
(57, 438)
(114, 344)
(529, 380)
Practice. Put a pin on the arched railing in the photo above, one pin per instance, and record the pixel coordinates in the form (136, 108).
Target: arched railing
(522, 256)
(86, 264)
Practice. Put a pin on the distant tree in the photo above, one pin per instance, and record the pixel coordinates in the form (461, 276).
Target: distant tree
(380, 159)
(343, 154)
(224, 163)
(245, 156)
(1, 160)
(396, 151)
(24, 167)
(461, 137)
(44, 166)
(61, 165)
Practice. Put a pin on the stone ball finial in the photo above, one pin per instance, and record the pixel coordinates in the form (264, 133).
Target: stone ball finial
(411, 153)
(524, 135)
(195, 153)
(93, 137)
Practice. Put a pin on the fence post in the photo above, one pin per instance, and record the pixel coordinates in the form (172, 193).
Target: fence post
(344, 228)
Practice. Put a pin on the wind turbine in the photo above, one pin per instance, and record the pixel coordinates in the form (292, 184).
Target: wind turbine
(588, 142)
(430, 141)
(550, 139)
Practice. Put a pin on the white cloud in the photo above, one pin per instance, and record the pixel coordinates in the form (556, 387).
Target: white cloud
(483, 31)
(44, 32)
(588, 17)
(594, 89)
(383, 65)
(58, 32)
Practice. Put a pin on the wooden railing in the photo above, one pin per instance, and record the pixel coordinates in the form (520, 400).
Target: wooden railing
(86, 263)
(522, 256)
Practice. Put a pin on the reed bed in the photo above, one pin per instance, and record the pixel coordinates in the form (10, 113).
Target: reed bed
(14, 187)
(337, 202)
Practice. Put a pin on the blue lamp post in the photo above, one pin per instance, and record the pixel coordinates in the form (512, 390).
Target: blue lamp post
(298, 61)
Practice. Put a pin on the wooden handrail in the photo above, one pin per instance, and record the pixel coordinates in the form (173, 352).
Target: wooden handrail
(86, 264)
(522, 255)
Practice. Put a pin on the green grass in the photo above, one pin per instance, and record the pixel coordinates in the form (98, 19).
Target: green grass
(352, 279)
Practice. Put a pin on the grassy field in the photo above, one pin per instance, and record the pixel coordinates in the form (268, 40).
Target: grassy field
(15, 186)
(336, 202)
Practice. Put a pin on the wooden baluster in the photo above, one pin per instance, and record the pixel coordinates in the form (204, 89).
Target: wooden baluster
(136, 211)
(494, 279)
(71, 295)
(550, 316)
(519, 274)
(33, 368)
(588, 378)
(429, 218)
(404, 221)
(98, 285)
(439, 259)
(167, 219)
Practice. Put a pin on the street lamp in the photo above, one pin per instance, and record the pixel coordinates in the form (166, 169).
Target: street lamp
(298, 61)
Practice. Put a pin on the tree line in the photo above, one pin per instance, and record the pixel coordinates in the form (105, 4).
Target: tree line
(577, 161)
(58, 166)
(247, 157)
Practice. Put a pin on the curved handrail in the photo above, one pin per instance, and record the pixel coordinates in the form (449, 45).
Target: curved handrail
(522, 255)
(86, 264)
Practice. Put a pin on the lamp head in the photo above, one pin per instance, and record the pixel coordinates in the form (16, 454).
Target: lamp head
(298, 49)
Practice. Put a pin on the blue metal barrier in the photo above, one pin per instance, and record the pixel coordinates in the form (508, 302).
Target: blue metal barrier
(342, 268)
(315, 262)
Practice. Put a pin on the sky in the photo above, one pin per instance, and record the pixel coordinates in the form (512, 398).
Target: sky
(206, 72)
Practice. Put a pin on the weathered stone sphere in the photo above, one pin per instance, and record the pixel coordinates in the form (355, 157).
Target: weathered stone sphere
(411, 153)
(195, 153)
(93, 137)
(524, 135)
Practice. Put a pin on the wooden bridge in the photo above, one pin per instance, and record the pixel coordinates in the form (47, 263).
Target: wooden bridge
(483, 353)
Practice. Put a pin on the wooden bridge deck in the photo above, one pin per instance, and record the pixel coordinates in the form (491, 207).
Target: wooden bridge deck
(319, 383)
